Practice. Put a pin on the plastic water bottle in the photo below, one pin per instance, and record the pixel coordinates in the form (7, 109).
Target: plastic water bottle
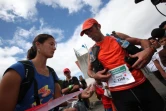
(130, 48)
(124, 43)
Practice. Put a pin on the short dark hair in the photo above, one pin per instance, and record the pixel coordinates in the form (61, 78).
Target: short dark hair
(41, 38)
(162, 24)
(158, 33)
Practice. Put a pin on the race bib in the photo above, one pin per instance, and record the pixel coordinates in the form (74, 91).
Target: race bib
(120, 76)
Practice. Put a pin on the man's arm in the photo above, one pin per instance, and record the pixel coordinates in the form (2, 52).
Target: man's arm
(9, 90)
(100, 75)
(144, 56)
(65, 89)
(136, 41)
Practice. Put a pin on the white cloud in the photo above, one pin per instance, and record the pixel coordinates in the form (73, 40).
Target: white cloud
(71, 5)
(22, 36)
(10, 51)
(12, 9)
(7, 57)
(94, 5)
(4, 64)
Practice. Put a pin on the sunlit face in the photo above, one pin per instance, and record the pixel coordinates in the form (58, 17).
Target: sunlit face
(47, 48)
(94, 33)
(155, 43)
(162, 41)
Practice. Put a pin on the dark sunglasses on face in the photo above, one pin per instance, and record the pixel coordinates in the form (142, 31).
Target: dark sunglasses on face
(87, 31)
(66, 72)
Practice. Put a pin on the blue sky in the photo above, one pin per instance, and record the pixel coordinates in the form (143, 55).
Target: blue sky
(22, 20)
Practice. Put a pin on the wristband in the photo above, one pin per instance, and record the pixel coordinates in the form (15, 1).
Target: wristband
(70, 87)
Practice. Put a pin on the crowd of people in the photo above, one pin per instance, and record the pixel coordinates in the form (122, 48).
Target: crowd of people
(120, 86)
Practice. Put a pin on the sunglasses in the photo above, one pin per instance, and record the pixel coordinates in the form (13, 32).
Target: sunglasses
(66, 72)
(87, 31)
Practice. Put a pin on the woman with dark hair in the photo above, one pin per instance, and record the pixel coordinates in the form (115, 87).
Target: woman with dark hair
(43, 47)
(12, 84)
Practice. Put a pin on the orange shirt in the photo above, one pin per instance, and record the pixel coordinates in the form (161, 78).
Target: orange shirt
(112, 55)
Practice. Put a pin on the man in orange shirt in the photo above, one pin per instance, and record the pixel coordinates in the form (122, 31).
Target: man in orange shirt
(130, 89)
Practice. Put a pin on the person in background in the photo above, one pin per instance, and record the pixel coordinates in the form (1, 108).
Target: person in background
(83, 85)
(83, 82)
(162, 53)
(130, 89)
(161, 35)
(155, 64)
(71, 84)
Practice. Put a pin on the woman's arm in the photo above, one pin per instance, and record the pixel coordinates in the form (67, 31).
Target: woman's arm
(9, 90)
(58, 93)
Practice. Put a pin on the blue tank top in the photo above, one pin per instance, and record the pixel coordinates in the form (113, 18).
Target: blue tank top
(45, 88)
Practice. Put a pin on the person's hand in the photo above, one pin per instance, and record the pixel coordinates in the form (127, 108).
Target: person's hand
(88, 92)
(70, 109)
(102, 75)
(143, 58)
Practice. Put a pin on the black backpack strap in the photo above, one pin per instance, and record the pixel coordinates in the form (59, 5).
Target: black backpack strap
(36, 95)
(27, 82)
(51, 70)
(96, 64)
